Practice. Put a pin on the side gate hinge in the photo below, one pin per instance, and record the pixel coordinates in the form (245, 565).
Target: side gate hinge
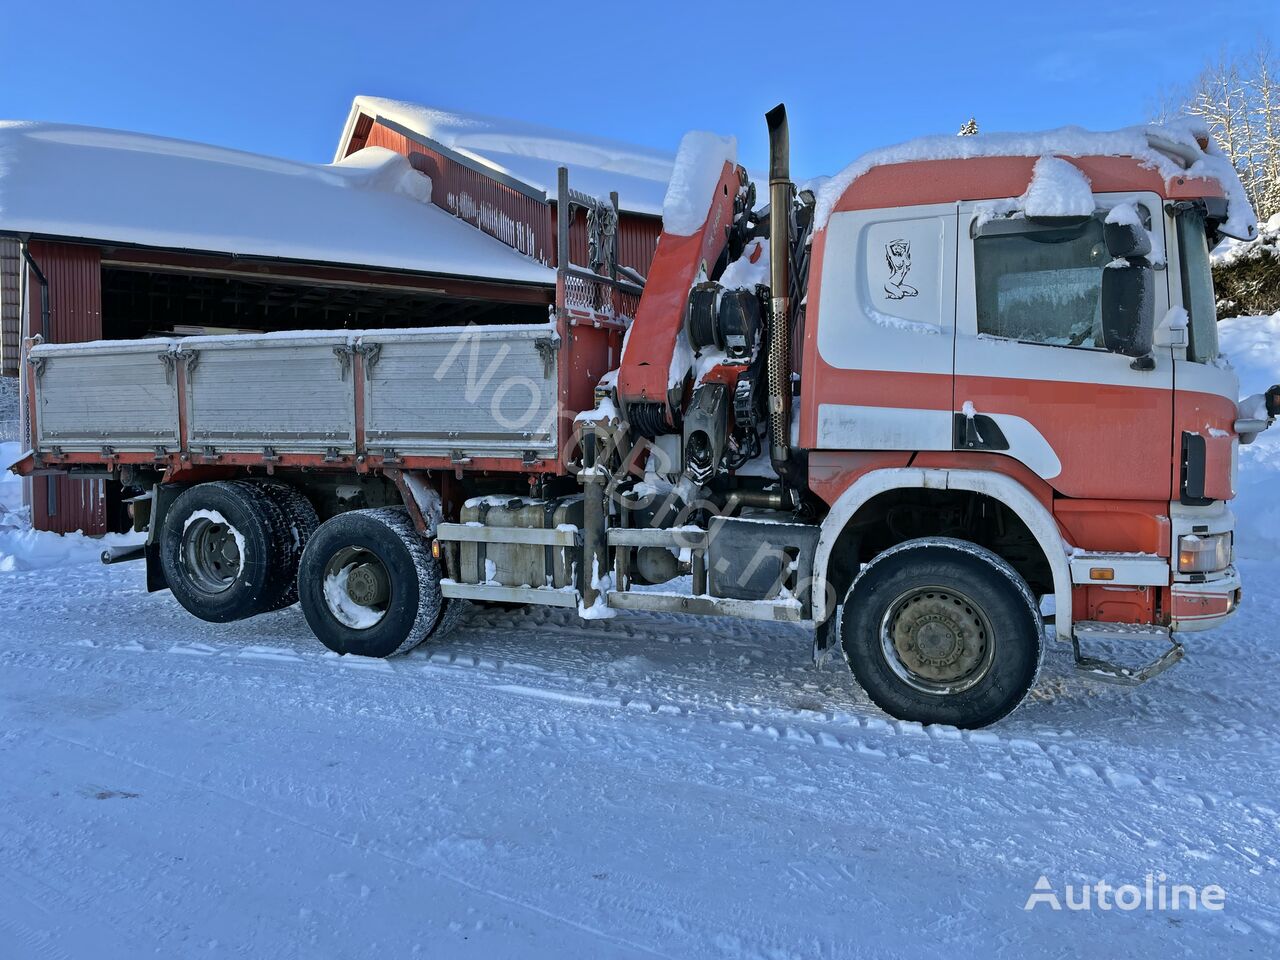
(343, 352)
(190, 358)
(370, 352)
(547, 348)
(170, 365)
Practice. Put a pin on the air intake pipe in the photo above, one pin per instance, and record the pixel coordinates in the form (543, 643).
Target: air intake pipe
(779, 360)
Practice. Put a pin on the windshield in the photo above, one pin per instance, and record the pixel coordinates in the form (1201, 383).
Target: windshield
(1197, 287)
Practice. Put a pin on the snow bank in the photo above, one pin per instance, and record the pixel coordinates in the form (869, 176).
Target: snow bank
(22, 548)
(699, 163)
(1058, 188)
(1231, 250)
(25, 549)
(1253, 345)
(12, 512)
(531, 153)
(1138, 142)
(369, 210)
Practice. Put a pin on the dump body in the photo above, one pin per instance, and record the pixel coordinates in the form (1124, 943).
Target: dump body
(458, 395)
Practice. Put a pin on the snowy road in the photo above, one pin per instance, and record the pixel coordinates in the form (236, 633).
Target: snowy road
(645, 787)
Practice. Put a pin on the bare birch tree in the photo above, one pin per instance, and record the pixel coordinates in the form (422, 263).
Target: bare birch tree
(1238, 97)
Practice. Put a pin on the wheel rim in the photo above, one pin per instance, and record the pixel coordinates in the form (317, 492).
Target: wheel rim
(937, 640)
(211, 555)
(357, 588)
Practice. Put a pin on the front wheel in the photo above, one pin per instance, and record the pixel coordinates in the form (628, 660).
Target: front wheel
(942, 631)
(368, 584)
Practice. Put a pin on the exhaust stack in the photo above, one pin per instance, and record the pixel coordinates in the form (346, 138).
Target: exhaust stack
(779, 361)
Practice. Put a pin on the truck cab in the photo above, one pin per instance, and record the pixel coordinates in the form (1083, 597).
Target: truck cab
(971, 333)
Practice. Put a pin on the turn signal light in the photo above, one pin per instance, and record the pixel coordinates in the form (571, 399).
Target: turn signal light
(435, 549)
(1102, 573)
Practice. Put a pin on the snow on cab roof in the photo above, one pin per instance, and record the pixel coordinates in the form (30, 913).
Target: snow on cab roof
(371, 210)
(1171, 149)
(532, 154)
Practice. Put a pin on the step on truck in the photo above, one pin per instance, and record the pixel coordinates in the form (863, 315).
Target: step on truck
(964, 389)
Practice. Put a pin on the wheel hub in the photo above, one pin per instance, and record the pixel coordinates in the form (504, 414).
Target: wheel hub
(211, 555)
(357, 587)
(367, 584)
(937, 640)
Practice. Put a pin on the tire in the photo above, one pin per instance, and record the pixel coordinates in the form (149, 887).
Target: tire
(454, 612)
(398, 603)
(301, 521)
(223, 550)
(942, 631)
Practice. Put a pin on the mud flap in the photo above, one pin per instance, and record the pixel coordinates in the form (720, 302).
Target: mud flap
(826, 636)
(162, 497)
(155, 572)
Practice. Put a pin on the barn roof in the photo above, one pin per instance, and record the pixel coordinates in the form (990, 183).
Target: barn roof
(370, 210)
(530, 153)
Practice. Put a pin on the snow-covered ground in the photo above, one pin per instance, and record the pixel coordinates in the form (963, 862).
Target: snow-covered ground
(649, 786)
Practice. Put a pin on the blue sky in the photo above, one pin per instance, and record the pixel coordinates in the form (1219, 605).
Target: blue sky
(279, 77)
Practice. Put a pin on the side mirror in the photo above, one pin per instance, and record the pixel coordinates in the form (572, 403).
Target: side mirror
(1126, 239)
(1128, 307)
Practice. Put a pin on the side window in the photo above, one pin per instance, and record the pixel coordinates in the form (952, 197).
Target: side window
(903, 272)
(1040, 283)
(1197, 286)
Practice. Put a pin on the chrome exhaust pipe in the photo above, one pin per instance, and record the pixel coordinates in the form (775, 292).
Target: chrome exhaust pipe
(781, 190)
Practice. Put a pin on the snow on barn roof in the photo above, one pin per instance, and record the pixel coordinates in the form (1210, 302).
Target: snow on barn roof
(532, 154)
(1171, 149)
(371, 210)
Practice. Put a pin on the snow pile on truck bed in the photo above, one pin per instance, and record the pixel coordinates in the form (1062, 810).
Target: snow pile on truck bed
(370, 210)
(699, 164)
(1138, 142)
(531, 153)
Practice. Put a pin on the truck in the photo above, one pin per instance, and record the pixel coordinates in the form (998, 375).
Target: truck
(963, 391)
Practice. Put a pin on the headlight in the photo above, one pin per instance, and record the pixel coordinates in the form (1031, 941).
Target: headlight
(1205, 553)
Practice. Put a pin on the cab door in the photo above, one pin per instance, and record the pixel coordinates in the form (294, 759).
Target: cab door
(1030, 365)
(878, 364)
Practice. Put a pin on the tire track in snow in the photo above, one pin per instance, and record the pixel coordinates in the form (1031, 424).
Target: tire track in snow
(1012, 759)
(371, 848)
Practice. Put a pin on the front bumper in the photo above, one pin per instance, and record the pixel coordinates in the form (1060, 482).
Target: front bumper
(1203, 606)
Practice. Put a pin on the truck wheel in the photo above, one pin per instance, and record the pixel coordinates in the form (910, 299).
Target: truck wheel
(222, 549)
(369, 585)
(301, 521)
(942, 631)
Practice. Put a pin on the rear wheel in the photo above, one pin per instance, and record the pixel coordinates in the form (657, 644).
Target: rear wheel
(368, 584)
(942, 631)
(224, 551)
(301, 521)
